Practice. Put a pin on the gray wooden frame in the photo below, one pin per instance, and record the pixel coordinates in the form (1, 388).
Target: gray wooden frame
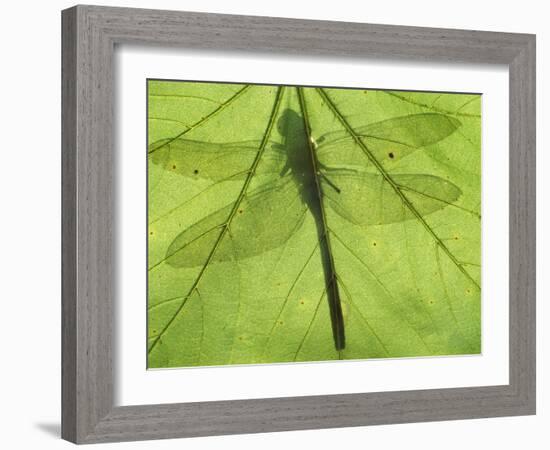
(89, 36)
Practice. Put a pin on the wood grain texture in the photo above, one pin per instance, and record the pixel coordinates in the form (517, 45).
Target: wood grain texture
(68, 226)
(89, 270)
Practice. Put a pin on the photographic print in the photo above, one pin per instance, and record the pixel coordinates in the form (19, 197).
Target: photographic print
(294, 224)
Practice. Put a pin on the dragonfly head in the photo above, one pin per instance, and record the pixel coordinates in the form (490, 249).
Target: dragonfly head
(290, 124)
(294, 136)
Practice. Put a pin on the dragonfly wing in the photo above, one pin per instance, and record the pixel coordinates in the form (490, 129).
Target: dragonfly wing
(214, 161)
(263, 220)
(388, 140)
(369, 199)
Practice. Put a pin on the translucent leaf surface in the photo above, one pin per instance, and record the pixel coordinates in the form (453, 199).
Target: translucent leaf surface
(301, 224)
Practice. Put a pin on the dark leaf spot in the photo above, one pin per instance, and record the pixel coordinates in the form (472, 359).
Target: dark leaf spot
(391, 155)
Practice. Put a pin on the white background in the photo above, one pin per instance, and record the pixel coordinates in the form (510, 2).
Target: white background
(135, 386)
(30, 225)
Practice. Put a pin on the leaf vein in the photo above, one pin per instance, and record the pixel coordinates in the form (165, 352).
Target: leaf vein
(225, 229)
(394, 185)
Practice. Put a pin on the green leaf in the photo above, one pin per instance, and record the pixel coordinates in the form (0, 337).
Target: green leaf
(306, 224)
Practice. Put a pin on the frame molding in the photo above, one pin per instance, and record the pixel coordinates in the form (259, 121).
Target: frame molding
(89, 36)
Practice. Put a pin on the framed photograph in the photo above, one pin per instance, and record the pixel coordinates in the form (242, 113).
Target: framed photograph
(278, 224)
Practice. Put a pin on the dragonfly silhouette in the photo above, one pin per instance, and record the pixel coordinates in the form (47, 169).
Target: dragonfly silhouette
(301, 175)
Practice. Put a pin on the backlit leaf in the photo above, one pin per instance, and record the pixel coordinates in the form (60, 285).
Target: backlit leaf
(305, 224)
